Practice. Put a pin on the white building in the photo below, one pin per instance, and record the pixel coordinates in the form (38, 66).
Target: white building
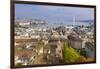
(24, 23)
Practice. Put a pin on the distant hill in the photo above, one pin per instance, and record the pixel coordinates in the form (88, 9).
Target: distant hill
(88, 21)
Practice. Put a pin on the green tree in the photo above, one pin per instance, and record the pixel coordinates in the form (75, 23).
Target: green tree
(69, 54)
(83, 52)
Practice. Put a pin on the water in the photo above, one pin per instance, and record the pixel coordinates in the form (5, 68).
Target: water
(54, 25)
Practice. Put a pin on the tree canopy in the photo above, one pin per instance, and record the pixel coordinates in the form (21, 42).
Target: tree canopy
(69, 54)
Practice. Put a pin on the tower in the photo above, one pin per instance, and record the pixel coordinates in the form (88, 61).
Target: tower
(73, 20)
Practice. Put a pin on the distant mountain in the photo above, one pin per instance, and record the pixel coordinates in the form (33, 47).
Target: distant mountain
(88, 21)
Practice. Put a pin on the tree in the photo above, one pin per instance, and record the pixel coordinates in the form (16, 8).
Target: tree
(82, 52)
(69, 54)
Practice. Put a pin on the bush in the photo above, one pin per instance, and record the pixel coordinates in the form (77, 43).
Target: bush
(80, 59)
(19, 64)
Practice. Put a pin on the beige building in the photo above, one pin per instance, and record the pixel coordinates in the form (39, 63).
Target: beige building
(54, 52)
(75, 42)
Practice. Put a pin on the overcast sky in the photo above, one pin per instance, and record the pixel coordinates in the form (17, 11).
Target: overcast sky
(53, 13)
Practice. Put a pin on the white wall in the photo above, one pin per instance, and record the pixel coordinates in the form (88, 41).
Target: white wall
(5, 35)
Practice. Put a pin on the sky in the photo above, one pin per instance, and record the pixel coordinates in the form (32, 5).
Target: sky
(53, 13)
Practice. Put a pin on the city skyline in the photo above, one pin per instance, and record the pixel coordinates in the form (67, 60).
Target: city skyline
(53, 35)
(53, 13)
